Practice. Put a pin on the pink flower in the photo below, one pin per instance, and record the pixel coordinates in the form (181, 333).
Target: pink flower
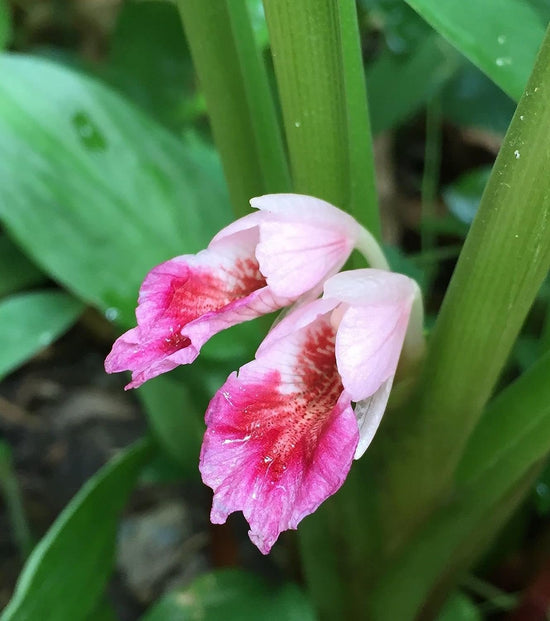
(281, 435)
(258, 264)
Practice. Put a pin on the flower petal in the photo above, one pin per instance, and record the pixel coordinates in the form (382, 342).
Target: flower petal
(303, 241)
(185, 301)
(372, 326)
(281, 435)
(369, 413)
(252, 220)
(295, 320)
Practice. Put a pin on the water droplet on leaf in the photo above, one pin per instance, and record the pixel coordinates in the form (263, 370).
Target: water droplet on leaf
(88, 132)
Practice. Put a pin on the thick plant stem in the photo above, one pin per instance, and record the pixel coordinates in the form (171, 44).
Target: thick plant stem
(363, 199)
(501, 268)
(504, 453)
(316, 52)
(240, 105)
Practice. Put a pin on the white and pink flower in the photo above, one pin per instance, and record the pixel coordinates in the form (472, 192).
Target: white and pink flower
(281, 434)
(257, 265)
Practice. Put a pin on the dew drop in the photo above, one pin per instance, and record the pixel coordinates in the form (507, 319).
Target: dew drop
(88, 132)
(501, 39)
(111, 313)
(45, 338)
(517, 154)
(297, 124)
(503, 61)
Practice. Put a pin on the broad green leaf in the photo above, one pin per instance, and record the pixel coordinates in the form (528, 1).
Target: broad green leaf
(471, 99)
(5, 24)
(232, 595)
(95, 192)
(464, 195)
(30, 321)
(399, 84)
(501, 38)
(16, 270)
(150, 63)
(67, 571)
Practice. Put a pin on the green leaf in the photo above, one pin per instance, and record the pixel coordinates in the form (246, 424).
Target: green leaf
(150, 63)
(65, 575)
(504, 261)
(399, 84)
(5, 24)
(233, 595)
(240, 105)
(471, 99)
(501, 38)
(30, 321)
(16, 270)
(499, 465)
(459, 607)
(92, 189)
(464, 195)
(325, 110)
(174, 419)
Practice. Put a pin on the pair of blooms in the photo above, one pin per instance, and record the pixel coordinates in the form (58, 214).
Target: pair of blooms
(281, 433)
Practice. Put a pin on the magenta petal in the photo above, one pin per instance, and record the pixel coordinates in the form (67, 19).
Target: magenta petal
(185, 301)
(281, 436)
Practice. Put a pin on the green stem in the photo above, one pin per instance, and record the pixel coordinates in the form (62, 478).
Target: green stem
(504, 261)
(371, 250)
(14, 503)
(364, 198)
(263, 115)
(503, 457)
(316, 52)
(239, 102)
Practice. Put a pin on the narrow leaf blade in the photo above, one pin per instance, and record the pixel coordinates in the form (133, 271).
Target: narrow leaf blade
(65, 575)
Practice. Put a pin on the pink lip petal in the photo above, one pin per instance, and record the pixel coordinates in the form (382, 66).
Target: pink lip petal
(260, 263)
(280, 436)
(186, 300)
